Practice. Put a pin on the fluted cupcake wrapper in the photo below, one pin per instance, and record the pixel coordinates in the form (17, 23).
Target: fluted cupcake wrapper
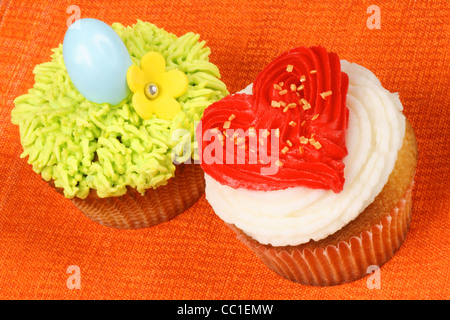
(133, 210)
(348, 260)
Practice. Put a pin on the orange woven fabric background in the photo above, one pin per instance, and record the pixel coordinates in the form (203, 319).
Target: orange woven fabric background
(195, 255)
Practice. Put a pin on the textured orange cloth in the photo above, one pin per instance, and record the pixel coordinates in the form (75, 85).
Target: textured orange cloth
(195, 255)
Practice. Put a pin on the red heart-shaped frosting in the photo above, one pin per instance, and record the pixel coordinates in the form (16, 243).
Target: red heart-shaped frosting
(294, 122)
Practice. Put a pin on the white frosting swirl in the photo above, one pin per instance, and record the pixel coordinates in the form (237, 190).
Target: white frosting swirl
(295, 215)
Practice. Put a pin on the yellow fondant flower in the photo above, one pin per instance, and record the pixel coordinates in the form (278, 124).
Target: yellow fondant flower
(154, 89)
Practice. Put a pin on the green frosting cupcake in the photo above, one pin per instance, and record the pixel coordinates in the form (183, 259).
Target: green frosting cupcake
(82, 145)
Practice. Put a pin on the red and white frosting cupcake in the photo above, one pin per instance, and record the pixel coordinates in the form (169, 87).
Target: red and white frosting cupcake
(302, 164)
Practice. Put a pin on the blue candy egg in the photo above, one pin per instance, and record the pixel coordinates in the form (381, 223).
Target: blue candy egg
(97, 61)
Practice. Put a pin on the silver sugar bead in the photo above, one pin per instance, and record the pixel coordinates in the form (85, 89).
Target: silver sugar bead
(151, 90)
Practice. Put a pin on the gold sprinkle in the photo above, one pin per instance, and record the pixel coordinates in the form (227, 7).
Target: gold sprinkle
(306, 104)
(325, 94)
(261, 141)
(303, 78)
(292, 123)
(277, 132)
(312, 141)
(303, 123)
(282, 92)
(275, 104)
(301, 87)
(317, 145)
(251, 131)
(240, 140)
(282, 103)
(278, 163)
(265, 133)
(226, 124)
(289, 68)
(315, 117)
(281, 84)
(292, 105)
(303, 140)
(289, 143)
(232, 117)
(301, 149)
(284, 150)
(277, 86)
(313, 71)
(293, 87)
(286, 109)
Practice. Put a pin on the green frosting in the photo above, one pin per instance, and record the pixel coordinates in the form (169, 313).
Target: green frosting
(82, 145)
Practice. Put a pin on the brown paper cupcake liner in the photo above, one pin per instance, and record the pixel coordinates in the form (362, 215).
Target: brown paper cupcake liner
(133, 210)
(345, 262)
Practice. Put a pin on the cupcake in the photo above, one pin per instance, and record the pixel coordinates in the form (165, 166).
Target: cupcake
(312, 165)
(109, 121)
